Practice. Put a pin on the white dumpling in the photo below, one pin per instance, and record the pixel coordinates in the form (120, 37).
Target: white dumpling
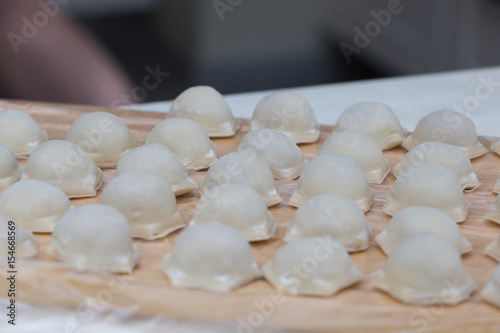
(10, 169)
(448, 156)
(448, 126)
(187, 139)
(328, 266)
(34, 205)
(95, 237)
(496, 147)
(206, 106)
(284, 157)
(363, 150)
(430, 185)
(417, 219)
(425, 269)
(333, 173)
(496, 187)
(238, 206)
(375, 119)
(20, 132)
(157, 158)
(210, 256)
(104, 136)
(289, 113)
(24, 244)
(493, 250)
(243, 167)
(66, 166)
(331, 215)
(491, 293)
(147, 202)
(493, 214)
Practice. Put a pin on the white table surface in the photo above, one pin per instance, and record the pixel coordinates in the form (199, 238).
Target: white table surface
(411, 97)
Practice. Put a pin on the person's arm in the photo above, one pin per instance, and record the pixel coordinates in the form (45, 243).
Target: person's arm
(60, 62)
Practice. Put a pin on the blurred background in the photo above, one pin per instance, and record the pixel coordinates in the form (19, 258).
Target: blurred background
(235, 46)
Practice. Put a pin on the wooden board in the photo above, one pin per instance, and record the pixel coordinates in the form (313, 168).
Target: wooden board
(147, 292)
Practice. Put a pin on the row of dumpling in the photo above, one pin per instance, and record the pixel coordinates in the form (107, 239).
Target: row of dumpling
(217, 257)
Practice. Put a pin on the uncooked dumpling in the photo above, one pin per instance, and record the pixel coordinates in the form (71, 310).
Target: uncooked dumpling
(289, 113)
(430, 185)
(25, 242)
(425, 269)
(95, 237)
(10, 169)
(34, 205)
(496, 147)
(363, 150)
(375, 119)
(331, 215)
(493, 214)
(448, 156)
(243, 167)
(491, 293)
(147, 202)
(104, 136)
(284, 157)
(20, 132)
(416, 219)
(159, 159)
(206, 106)
(187, 139)
(64, 165)
(333, 173)
(496, 187)
(238, 206)
(493, 250)
(210, 256)
(328, 266)
(448, 126)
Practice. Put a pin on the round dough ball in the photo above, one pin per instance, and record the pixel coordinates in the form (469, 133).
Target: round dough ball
(491, 293)
(238, 206)
(284, 157)
(333, 173)
(187, 139)
(363, 150)
(493, 214)
(425, 269)
(10, 169)
(20, 132)
(95, 237)
(288, 113)
(25, 242)
(66, 166)
(104, 136)
(417, 219)
(243, 167)
(375, 119)
(448, 126)
(157, 158)
(448, 156)
(430, 185)
(210, 256)
(207, 107)
(147, 202)
(331, 215)
(328, 266)
(34, 205)
(493, 250)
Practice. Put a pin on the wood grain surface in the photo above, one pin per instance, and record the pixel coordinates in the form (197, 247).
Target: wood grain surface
(42, 281)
